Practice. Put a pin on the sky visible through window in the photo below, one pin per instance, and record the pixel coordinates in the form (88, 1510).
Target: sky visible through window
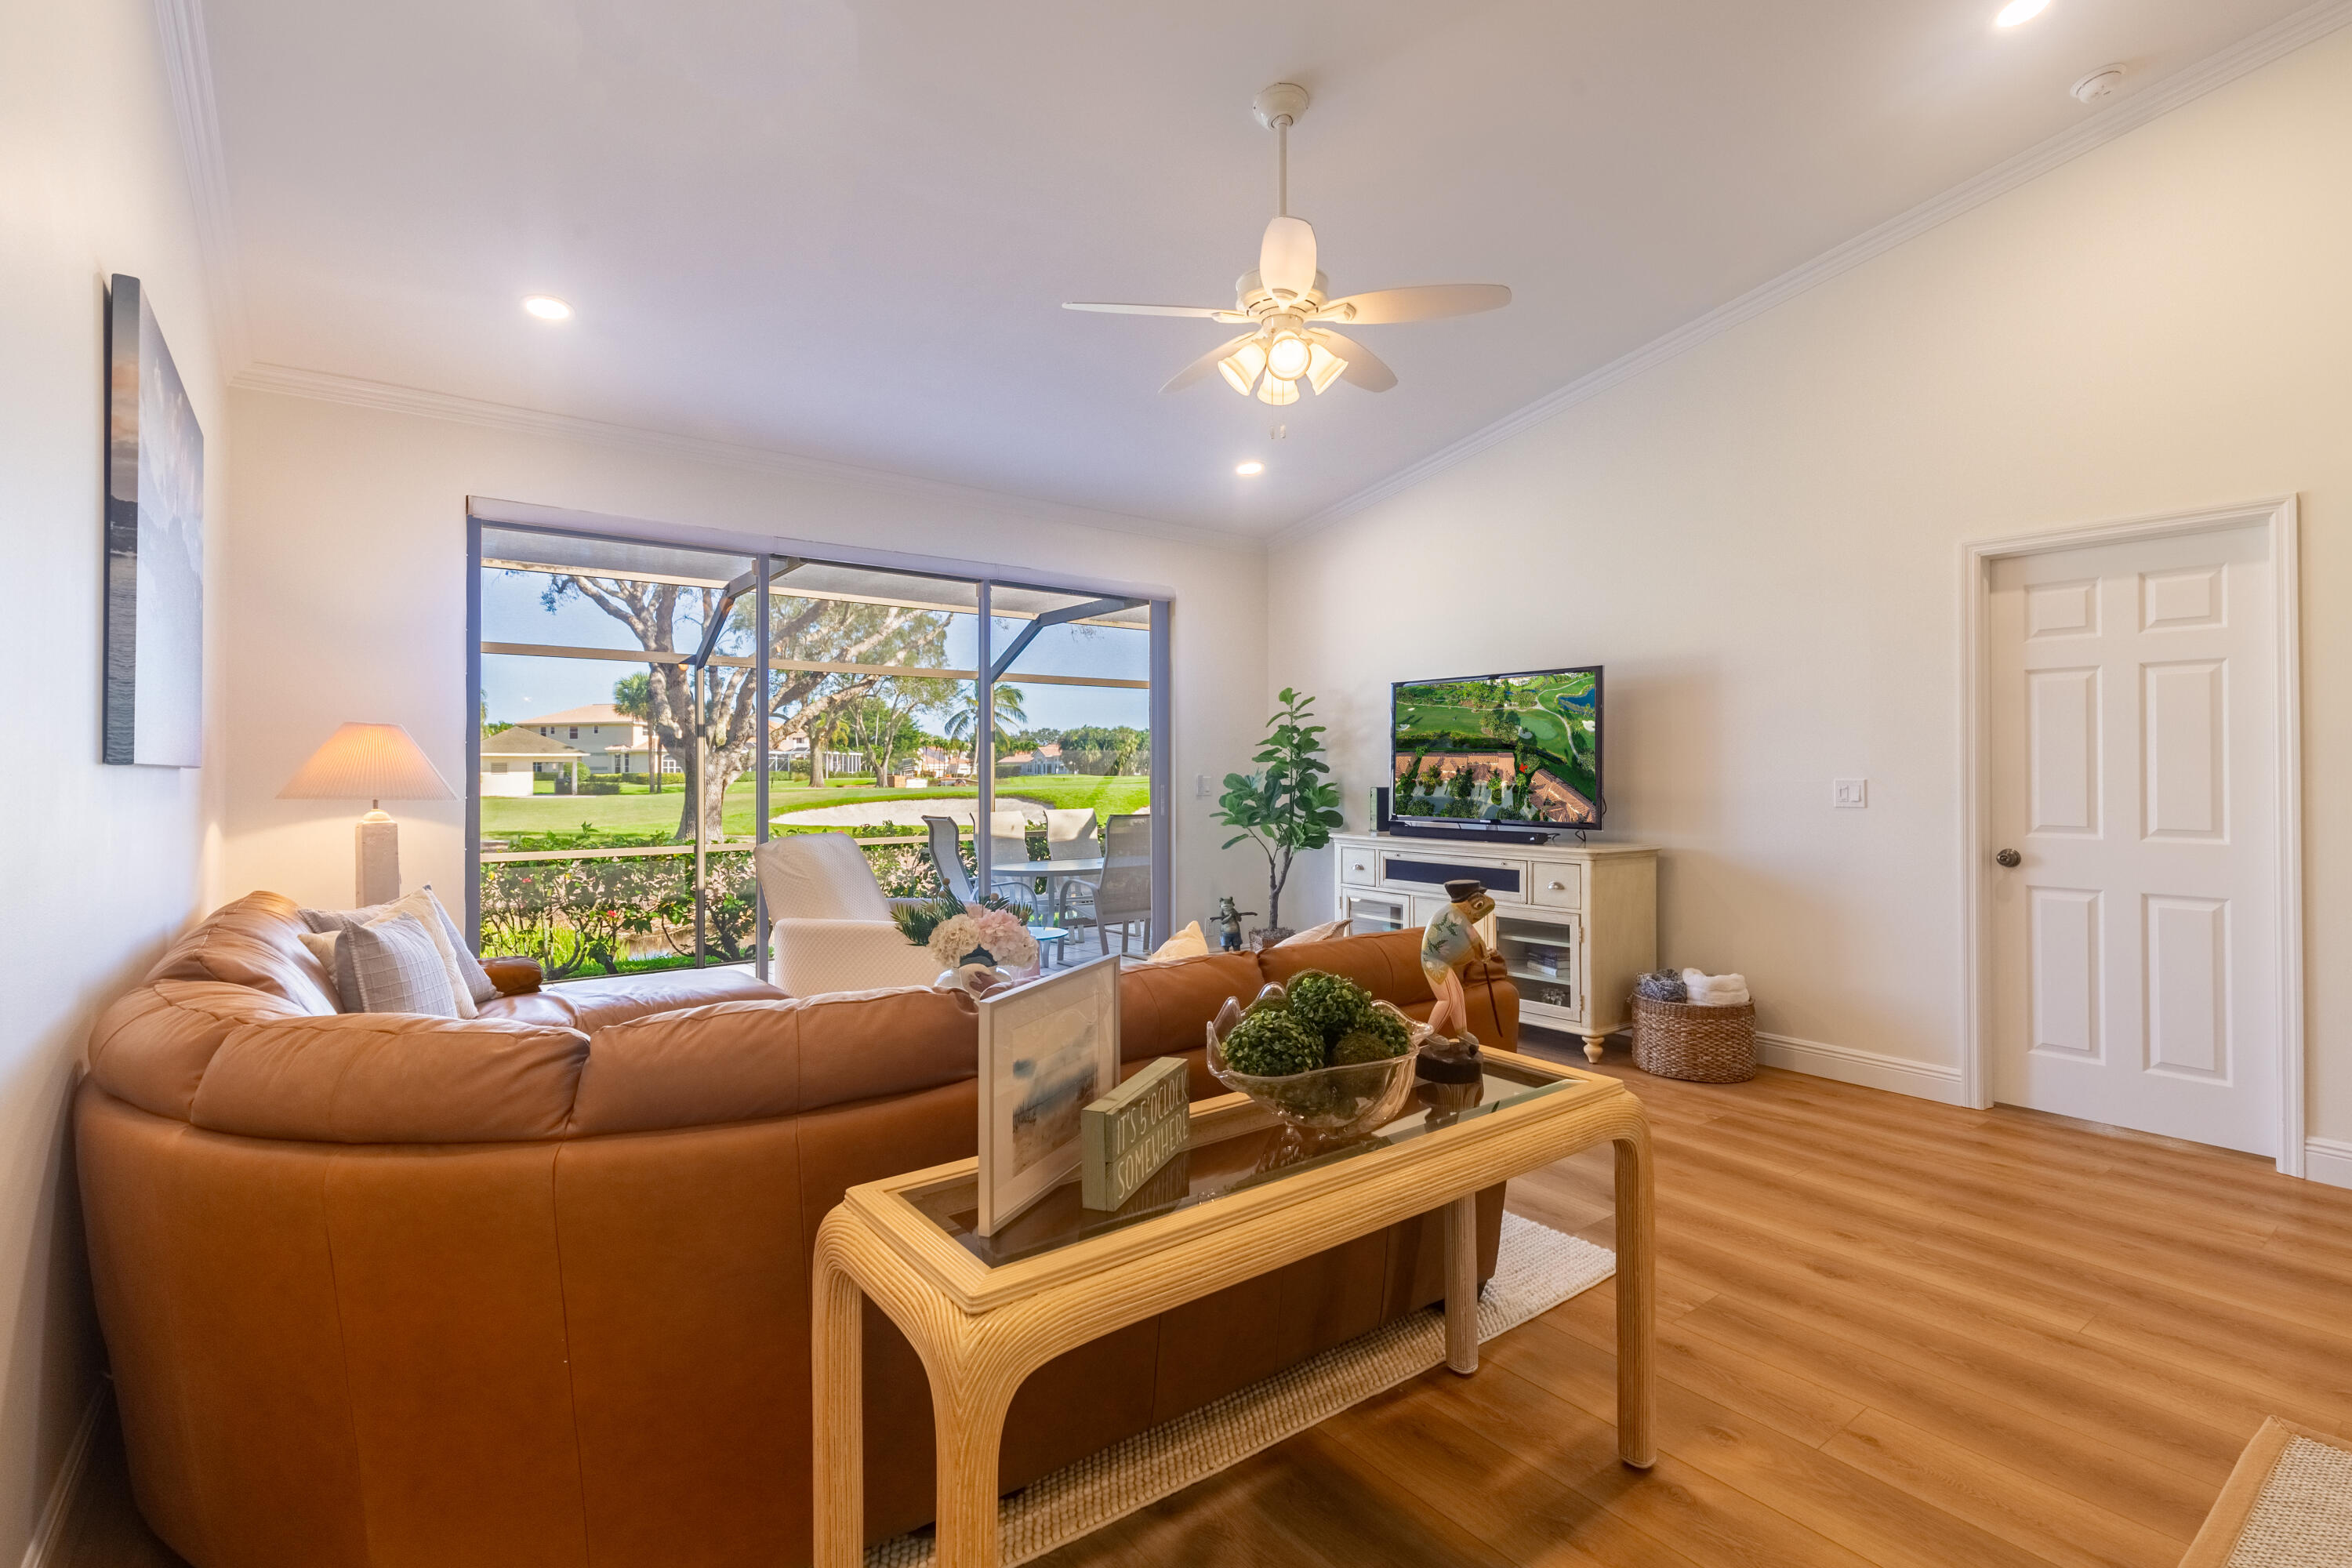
(517, 688)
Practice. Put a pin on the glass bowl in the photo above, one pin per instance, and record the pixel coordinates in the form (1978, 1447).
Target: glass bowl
(1327, 1104)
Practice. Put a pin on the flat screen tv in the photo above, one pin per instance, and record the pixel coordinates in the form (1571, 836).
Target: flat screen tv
(1500, 754)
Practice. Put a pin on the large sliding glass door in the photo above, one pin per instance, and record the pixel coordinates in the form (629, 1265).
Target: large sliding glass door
(1072, 694)
(635, 746)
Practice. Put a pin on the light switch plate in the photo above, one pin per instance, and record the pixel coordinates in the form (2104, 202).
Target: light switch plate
(1850, 795)
(1200, 786)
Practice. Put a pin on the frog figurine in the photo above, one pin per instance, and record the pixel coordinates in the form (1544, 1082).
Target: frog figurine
(1230, 918)
(1450, 944)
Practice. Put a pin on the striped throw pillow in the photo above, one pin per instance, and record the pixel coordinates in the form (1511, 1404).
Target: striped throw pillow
(393, 966)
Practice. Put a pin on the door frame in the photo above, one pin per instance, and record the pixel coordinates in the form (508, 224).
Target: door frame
(2278, 517)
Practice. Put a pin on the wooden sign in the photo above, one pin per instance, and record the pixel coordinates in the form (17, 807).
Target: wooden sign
(1133, 1130)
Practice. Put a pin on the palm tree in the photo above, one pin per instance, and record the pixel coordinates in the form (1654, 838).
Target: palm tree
(965, 716)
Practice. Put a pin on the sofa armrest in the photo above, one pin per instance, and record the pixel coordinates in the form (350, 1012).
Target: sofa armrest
(815, 956)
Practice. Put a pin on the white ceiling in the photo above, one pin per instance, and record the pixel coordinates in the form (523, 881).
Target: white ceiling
(844, 230)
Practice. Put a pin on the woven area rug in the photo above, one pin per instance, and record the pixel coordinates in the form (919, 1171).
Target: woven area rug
(1537, 1269)
(2288, 1504)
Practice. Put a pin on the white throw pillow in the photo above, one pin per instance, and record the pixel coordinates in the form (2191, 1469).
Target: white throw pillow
(1186, 943)
(321, 944)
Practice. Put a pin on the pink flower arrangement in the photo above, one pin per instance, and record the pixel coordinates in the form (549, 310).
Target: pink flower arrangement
(1000, 933)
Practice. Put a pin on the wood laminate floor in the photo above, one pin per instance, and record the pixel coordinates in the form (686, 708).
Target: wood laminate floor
(1891, 1333)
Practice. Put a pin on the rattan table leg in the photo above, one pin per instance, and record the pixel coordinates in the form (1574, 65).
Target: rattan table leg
(1637, 1301)
(1462, 1284)
(836, 1393)
(972, 1392)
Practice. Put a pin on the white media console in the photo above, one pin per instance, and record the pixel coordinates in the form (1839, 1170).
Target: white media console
(1576, 923)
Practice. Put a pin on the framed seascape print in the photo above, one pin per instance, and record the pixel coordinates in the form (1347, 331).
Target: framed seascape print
(153, 709)
(1047, 1050)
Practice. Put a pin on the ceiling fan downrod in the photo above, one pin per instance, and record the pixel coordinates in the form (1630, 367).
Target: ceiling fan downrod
(1279, 109)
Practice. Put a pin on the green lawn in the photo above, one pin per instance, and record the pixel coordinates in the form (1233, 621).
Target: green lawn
(636, 811)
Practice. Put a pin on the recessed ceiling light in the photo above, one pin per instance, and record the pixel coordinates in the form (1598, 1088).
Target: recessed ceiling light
(1250, 467)
(2018, 11)
(548, 308)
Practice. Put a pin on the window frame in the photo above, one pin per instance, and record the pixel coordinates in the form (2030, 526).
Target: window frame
(483, 512)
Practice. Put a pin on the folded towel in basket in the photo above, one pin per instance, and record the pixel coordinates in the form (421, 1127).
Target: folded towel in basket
(1661, 985)
(1715, 990)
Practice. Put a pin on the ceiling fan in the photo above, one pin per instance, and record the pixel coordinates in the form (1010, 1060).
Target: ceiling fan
(1291, 318)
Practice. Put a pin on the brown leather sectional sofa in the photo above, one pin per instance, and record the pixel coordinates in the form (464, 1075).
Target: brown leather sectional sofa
(531, 1289)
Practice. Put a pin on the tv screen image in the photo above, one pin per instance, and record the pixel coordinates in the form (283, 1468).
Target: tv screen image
(1501, 749)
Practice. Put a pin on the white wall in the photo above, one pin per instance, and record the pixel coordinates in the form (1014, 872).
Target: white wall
(345, 598)
(1759, 540)
(103, 864)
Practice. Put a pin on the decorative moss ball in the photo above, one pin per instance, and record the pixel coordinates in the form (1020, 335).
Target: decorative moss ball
(1378, 1038)
(1270, 1042)
(1328, 1005)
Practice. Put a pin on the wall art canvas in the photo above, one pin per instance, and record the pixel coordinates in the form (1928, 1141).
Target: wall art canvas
(154, 675)
(1047, 1050)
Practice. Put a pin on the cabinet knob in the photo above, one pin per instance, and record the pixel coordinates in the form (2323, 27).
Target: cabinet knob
(1559, 887)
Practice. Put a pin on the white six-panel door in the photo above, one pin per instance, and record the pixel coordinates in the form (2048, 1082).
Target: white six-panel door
(2131, 698)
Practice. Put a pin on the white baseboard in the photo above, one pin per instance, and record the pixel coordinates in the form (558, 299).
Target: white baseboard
(2327, 1160)
(1921, 1081)
(48, 1531)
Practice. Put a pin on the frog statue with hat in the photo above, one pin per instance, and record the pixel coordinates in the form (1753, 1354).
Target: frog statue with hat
(1450, 944)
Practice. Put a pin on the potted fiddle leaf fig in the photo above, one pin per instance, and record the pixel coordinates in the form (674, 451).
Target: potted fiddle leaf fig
(1287, 805)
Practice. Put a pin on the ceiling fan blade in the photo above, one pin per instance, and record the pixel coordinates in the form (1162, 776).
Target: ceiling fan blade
(1211, 312)
(1427, 302)
(1202, 368)
(1364, 367)
(1286, 258)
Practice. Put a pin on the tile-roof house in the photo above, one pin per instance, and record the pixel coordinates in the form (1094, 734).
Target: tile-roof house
(603, 731)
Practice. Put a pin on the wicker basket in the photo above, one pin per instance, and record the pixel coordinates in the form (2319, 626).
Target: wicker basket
(1702, 1044)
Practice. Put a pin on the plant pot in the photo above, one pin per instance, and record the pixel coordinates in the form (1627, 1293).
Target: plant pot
(1264, 937)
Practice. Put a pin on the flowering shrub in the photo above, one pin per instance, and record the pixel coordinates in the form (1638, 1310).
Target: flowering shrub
(579, 916)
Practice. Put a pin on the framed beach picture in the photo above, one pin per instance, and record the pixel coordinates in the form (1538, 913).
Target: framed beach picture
(152, 711)
(1047, 1050)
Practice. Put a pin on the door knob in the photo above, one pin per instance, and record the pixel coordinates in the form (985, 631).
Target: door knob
(2009, 859)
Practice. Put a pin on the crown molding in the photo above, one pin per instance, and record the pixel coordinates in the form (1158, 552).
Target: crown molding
(188, 71)
(2159, 99)
(284, 381)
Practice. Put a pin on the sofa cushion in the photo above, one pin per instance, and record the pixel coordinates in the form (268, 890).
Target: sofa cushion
(370, 1078)
(743, 1061)
(588, 1005)
(151, 1049)
(255, 941)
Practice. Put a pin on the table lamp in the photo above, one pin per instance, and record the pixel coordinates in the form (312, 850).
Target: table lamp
(374, 762)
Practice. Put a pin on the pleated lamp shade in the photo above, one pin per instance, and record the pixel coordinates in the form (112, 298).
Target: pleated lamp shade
(368, 761)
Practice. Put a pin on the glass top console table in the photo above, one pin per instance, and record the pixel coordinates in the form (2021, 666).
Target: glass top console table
(1245, 1199)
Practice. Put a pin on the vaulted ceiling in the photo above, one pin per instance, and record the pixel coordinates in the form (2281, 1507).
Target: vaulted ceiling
(844, 230)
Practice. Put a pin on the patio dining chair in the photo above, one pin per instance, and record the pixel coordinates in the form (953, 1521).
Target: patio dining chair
(1008, 851)
(1121, 895)
(1070, 834)
(947, 858)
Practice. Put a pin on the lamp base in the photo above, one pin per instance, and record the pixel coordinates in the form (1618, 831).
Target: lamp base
(376, 842)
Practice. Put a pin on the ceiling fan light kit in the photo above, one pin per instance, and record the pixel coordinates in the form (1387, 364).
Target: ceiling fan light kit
(1286, 301)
